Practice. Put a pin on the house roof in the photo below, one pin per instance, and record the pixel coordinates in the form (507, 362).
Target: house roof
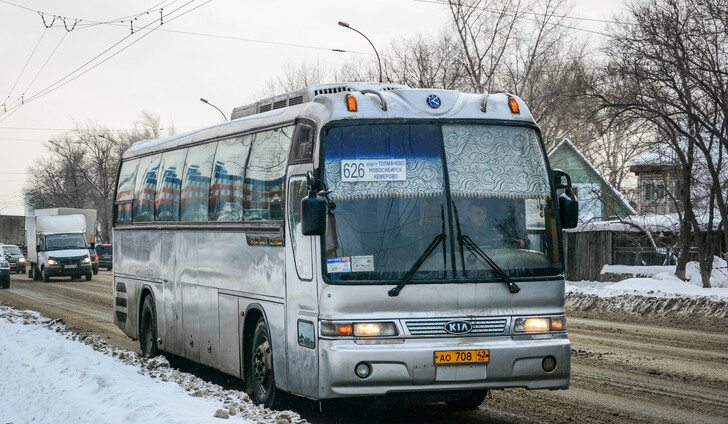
(566, 143)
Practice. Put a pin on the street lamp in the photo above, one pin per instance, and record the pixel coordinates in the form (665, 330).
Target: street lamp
(346, 25)
(204, 100)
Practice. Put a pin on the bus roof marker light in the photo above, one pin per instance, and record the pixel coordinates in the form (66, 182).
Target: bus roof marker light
(351, 103)
(513, 104)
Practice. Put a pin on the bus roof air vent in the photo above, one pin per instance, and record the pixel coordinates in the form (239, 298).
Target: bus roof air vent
(280, 104)
(307, 94)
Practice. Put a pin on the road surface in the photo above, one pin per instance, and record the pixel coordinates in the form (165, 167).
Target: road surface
(622, 371)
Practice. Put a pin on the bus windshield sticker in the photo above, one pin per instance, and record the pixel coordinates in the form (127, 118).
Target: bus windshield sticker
(340, 264)
(362, 263)
(357, 170)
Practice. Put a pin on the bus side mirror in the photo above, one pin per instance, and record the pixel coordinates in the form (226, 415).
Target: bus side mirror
(568, 204)
(568, 211)
(37, 247)
(313, 215)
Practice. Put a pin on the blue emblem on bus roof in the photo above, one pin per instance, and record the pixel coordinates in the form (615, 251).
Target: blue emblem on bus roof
(433, 101)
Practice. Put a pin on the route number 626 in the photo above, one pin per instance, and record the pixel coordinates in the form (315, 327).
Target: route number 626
(353, 170)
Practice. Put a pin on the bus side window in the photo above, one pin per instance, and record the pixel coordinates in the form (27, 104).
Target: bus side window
(301, 244)
(226, 189)
(125, 191)
(265, 175)
(195, 197)
(166, 203)
(146, 189)
(302, 148)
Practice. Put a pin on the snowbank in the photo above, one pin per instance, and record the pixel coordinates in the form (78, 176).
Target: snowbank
(51, 375)
(660, 296)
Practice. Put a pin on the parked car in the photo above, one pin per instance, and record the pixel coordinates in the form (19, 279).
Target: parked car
(4, 270)
(15, 258)
(106, 256)
(94, 260)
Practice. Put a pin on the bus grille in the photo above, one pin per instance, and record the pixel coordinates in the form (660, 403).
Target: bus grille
(437, 327)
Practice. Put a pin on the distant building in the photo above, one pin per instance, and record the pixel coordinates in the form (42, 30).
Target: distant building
(598, 199)
(12, 229)
(657, 182)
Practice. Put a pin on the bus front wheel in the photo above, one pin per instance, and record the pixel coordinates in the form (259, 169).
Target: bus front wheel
(148, 336)
(262, 382)
(472, 401)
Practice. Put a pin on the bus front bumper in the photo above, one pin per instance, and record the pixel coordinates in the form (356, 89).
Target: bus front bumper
(408, 366)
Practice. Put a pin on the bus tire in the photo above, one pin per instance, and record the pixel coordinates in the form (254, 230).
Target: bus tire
(88, 277)
(148, 329)
(44, 275)
(472, 401)
(262, 381)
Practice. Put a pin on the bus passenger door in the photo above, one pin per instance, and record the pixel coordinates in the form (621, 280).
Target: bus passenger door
(301, 296)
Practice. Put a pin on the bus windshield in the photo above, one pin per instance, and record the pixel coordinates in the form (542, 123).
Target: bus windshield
(390, 186)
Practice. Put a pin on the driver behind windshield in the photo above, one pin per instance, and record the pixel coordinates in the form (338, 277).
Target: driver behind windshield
(486, 232)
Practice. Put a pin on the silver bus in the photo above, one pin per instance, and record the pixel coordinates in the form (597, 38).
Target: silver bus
(351, 239)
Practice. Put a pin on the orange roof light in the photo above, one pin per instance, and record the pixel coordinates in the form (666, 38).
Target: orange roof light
(350, 103)
(513, 104)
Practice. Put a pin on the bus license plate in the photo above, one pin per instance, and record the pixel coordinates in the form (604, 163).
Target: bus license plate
(70, 266)
(445, 357)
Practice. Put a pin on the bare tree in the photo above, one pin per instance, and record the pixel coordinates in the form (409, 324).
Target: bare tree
(670, 60)
(80, 171)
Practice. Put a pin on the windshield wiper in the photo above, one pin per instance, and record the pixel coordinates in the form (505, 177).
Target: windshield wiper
(440, 238)
(465, 240)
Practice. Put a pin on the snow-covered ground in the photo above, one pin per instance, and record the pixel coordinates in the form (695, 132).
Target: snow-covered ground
(654, 293)
(50, 375)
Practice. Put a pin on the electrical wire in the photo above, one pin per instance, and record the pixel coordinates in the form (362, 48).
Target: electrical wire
(25, 66)
(60, 83)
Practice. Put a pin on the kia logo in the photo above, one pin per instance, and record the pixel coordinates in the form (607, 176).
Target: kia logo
(458, 327)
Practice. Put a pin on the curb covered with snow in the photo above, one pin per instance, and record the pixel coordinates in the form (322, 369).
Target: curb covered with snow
(663, 296)
(49, 375)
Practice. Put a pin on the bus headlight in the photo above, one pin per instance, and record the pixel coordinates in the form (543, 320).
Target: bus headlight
(21, 260)
(374, 329)
(52, 262)
(87, 260)
(358, 329)
(540, 324)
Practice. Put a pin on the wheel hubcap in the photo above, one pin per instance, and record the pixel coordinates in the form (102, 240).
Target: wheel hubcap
(261, 364)
(148, 337)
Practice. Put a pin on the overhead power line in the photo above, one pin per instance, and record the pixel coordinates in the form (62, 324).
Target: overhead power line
(71, 77)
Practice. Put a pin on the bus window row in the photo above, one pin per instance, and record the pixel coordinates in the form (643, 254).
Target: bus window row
(234, 179)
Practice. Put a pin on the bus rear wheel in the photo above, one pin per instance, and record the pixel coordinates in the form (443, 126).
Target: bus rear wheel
(262, 381)
(148, 336)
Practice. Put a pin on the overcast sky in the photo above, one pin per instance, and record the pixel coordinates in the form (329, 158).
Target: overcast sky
(223, 50)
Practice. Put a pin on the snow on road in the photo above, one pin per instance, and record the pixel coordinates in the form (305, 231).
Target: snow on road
(50, 375)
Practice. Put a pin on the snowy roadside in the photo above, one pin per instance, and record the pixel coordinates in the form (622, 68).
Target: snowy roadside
(49, 375)
(656, 294)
